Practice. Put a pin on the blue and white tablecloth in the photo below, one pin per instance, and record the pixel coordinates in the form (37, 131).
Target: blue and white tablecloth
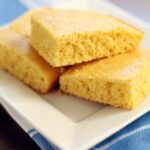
(135, 136)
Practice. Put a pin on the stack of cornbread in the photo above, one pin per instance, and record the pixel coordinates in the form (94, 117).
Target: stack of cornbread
(91, 55)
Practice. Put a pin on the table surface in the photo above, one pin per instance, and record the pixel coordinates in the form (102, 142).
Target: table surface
(12, 137)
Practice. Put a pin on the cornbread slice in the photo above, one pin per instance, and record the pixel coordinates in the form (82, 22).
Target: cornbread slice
(65, 37)
(121, 81)
(23, 23)
(21, 60)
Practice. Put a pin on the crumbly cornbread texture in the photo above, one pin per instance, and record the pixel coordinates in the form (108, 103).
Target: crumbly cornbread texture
(121, 81)
(21, 60)
(65, 37)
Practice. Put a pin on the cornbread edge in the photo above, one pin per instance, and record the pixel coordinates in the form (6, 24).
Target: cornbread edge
(126, 92)
(21, 60)
(81, 47)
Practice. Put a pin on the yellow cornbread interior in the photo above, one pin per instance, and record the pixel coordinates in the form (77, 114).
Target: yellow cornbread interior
(21, 60)
(120, 81)
(64, 37)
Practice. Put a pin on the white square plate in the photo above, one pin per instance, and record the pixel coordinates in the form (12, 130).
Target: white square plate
(69, 122)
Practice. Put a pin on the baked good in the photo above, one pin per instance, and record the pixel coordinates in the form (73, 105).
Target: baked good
(21, 60)
(121, 81)
(65, 37)
(23, 23)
